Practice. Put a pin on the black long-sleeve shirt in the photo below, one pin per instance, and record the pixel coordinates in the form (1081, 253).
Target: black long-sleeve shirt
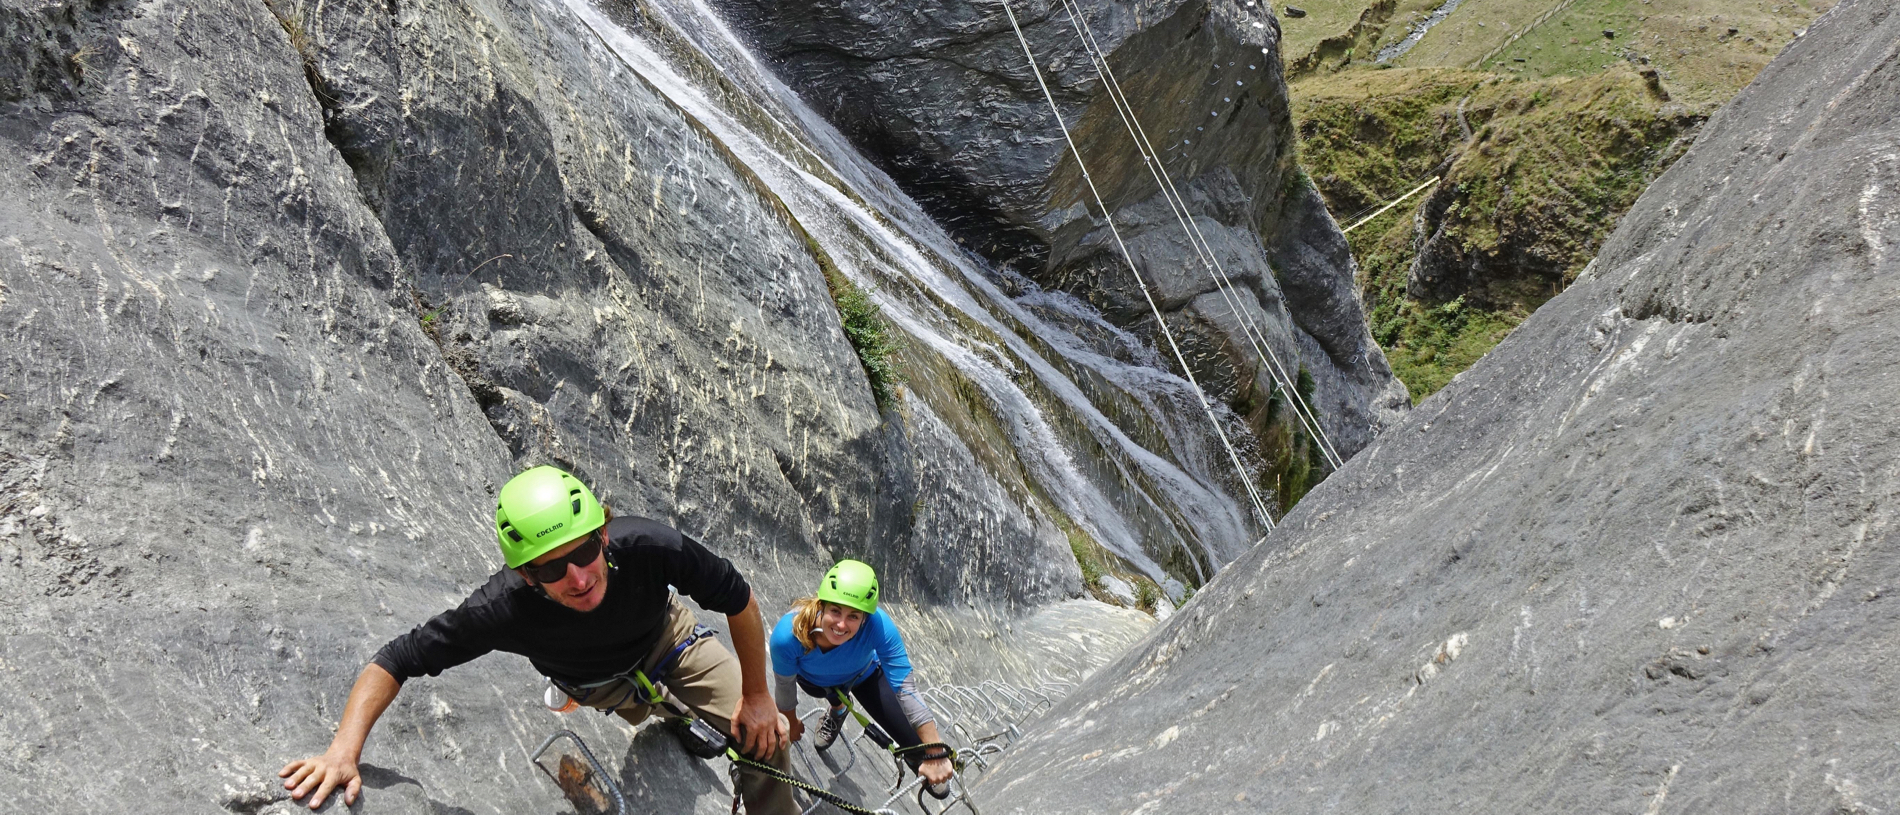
(507, 614)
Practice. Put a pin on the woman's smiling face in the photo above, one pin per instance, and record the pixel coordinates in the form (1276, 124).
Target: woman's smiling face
(837, 625)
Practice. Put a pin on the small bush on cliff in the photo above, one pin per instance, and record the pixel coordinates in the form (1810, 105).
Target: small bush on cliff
(1084, 551)
(872, 336)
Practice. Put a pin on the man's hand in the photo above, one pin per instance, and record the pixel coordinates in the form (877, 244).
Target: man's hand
(323, 774)
(375, 688)
(797, 729)
(757, 723)
(759, 727)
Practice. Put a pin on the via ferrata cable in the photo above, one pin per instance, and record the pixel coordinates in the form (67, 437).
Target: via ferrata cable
(1253, 493)
(1177, 204)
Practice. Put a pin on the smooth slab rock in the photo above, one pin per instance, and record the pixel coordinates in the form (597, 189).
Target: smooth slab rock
(1641, 558)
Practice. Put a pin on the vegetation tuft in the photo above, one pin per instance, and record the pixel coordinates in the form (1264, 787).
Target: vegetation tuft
(1097, 562)
(1146, 593)
(872, 336)
(1298, 463)
(1085, 555)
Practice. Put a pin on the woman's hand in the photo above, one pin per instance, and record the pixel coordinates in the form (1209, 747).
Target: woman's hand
(798, 725)
(935, 771)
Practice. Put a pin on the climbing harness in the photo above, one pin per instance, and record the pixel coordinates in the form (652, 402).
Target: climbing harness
(647, 685)
(1177, 204)
(698, 738)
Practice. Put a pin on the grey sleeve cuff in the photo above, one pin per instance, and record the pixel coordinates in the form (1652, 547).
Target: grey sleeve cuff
(785, 691)
(913, 704)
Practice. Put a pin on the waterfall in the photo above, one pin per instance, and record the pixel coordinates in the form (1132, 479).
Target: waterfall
(1117, 445)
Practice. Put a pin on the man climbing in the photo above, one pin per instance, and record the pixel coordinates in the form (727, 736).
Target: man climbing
(585, 599)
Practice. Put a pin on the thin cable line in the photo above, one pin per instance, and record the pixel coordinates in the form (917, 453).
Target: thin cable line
(1253, 494)
(1177, 203)
(1395, 202)
(1256, 337)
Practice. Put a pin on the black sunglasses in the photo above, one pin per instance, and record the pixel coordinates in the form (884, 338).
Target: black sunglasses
(553, 570)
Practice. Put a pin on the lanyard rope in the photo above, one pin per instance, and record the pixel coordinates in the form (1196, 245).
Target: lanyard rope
(821, 793)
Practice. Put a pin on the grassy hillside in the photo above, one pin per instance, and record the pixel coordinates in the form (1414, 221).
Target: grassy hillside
(1544, 119)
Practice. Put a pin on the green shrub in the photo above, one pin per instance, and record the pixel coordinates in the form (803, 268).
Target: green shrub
(872, 336)
(1084, 550)
(1146, 594)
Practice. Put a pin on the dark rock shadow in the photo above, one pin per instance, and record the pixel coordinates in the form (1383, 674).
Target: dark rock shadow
(656, 775)
(387, 781)
(870, 761)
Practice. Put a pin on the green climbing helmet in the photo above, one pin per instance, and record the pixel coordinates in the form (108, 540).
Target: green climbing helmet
(850, 583)
(541, 510)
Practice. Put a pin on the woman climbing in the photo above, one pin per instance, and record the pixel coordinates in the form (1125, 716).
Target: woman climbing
(838, 642)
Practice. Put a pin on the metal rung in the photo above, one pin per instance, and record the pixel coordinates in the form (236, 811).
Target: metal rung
(996, 708)
(582, 785)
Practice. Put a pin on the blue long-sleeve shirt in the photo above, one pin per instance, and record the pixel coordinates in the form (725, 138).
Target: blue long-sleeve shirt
(877, 643)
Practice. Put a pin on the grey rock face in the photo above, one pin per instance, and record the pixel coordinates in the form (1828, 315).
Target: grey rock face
(287, 291)
(1640, 558)
(942, 95)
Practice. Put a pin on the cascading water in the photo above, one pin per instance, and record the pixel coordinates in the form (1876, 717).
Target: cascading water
(1418, 32)
(1109, 440)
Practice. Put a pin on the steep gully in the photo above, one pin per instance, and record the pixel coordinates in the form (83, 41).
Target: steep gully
(939, 298)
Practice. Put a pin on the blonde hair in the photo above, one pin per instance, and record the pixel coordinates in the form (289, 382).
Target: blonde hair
(805, 612)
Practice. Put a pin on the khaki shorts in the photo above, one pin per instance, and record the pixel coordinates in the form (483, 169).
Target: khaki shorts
(707, 680)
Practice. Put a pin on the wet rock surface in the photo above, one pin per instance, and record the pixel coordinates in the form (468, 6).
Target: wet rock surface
(1640, 558)
(942, 96)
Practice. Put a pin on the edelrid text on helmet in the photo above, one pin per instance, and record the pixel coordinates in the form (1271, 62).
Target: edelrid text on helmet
(850, 583)
(546, 499)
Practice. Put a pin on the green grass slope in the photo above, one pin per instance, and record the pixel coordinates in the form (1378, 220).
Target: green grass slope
(1544, 119)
